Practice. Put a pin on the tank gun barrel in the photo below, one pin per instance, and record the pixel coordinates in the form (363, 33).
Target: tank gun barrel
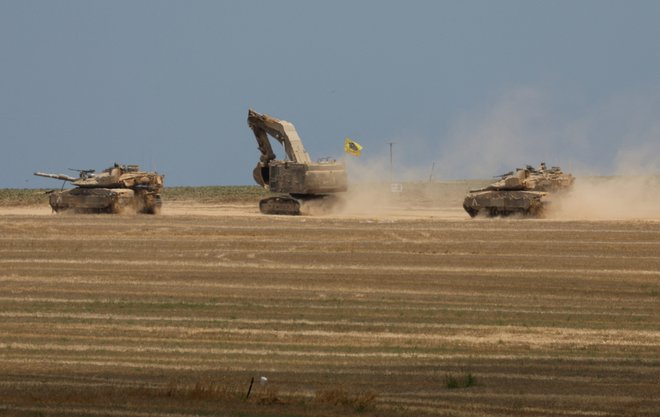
(55, 176)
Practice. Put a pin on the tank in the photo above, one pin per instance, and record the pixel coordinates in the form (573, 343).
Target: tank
(524, 192)
(114, 190)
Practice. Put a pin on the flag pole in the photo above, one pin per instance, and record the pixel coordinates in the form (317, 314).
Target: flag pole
(391, 164)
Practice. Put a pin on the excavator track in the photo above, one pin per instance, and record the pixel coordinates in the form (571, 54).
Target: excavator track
(280, 205)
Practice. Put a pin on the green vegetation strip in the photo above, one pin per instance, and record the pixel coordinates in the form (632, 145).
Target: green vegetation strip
(14, 197)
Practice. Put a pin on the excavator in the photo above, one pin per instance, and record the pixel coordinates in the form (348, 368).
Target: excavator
(296, 179)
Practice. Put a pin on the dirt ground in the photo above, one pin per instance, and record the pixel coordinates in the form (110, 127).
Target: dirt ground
(413, 311)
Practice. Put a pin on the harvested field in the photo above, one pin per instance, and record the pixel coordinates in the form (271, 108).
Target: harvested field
(408, 313)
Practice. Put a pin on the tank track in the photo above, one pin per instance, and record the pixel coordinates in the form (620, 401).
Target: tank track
(533, 211)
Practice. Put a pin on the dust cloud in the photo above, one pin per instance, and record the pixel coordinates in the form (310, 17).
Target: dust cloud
(632, 193)
(611, 147)
(514, 129)
(609, 198)
(374, 192)
(620, 135)
(368, 189)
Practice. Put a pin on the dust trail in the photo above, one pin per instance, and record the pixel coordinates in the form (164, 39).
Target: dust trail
(619, 135)
(368, 189)
(610, 198)
(522, 126)
(634, 193)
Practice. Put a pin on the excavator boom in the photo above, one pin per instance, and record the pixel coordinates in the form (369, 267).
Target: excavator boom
(285, 132)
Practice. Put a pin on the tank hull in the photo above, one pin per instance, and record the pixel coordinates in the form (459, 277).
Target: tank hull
(504, 203)
(104, 200)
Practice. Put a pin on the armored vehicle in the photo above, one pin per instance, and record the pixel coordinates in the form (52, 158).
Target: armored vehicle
(296, 179)
(115, 189)
(522, 192)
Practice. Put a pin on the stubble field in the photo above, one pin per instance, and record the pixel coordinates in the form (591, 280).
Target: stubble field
(407, 313)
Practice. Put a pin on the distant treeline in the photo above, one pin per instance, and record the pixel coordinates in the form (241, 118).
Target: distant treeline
(211, 194)
(214, 194)
(22, 197)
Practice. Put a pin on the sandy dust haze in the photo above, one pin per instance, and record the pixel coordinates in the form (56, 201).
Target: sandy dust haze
(609, 198)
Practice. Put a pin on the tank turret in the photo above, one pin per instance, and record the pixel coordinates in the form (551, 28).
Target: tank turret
(551, 180)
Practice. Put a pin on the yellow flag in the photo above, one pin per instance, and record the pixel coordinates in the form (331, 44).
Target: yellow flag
(352, 147)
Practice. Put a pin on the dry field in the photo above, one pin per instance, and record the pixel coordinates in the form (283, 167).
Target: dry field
(400, 314)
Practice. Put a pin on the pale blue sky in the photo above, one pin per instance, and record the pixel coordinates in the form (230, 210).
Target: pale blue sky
(475, 86)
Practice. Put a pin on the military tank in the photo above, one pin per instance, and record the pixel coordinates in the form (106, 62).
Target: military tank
(523, 191)
(113, 190)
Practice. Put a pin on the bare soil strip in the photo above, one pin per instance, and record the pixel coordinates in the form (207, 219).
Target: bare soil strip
(399, 315)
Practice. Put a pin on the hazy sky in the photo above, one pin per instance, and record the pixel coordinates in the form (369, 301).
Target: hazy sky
(475, 86)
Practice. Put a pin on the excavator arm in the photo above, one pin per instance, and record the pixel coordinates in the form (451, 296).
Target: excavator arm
(284, 132)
